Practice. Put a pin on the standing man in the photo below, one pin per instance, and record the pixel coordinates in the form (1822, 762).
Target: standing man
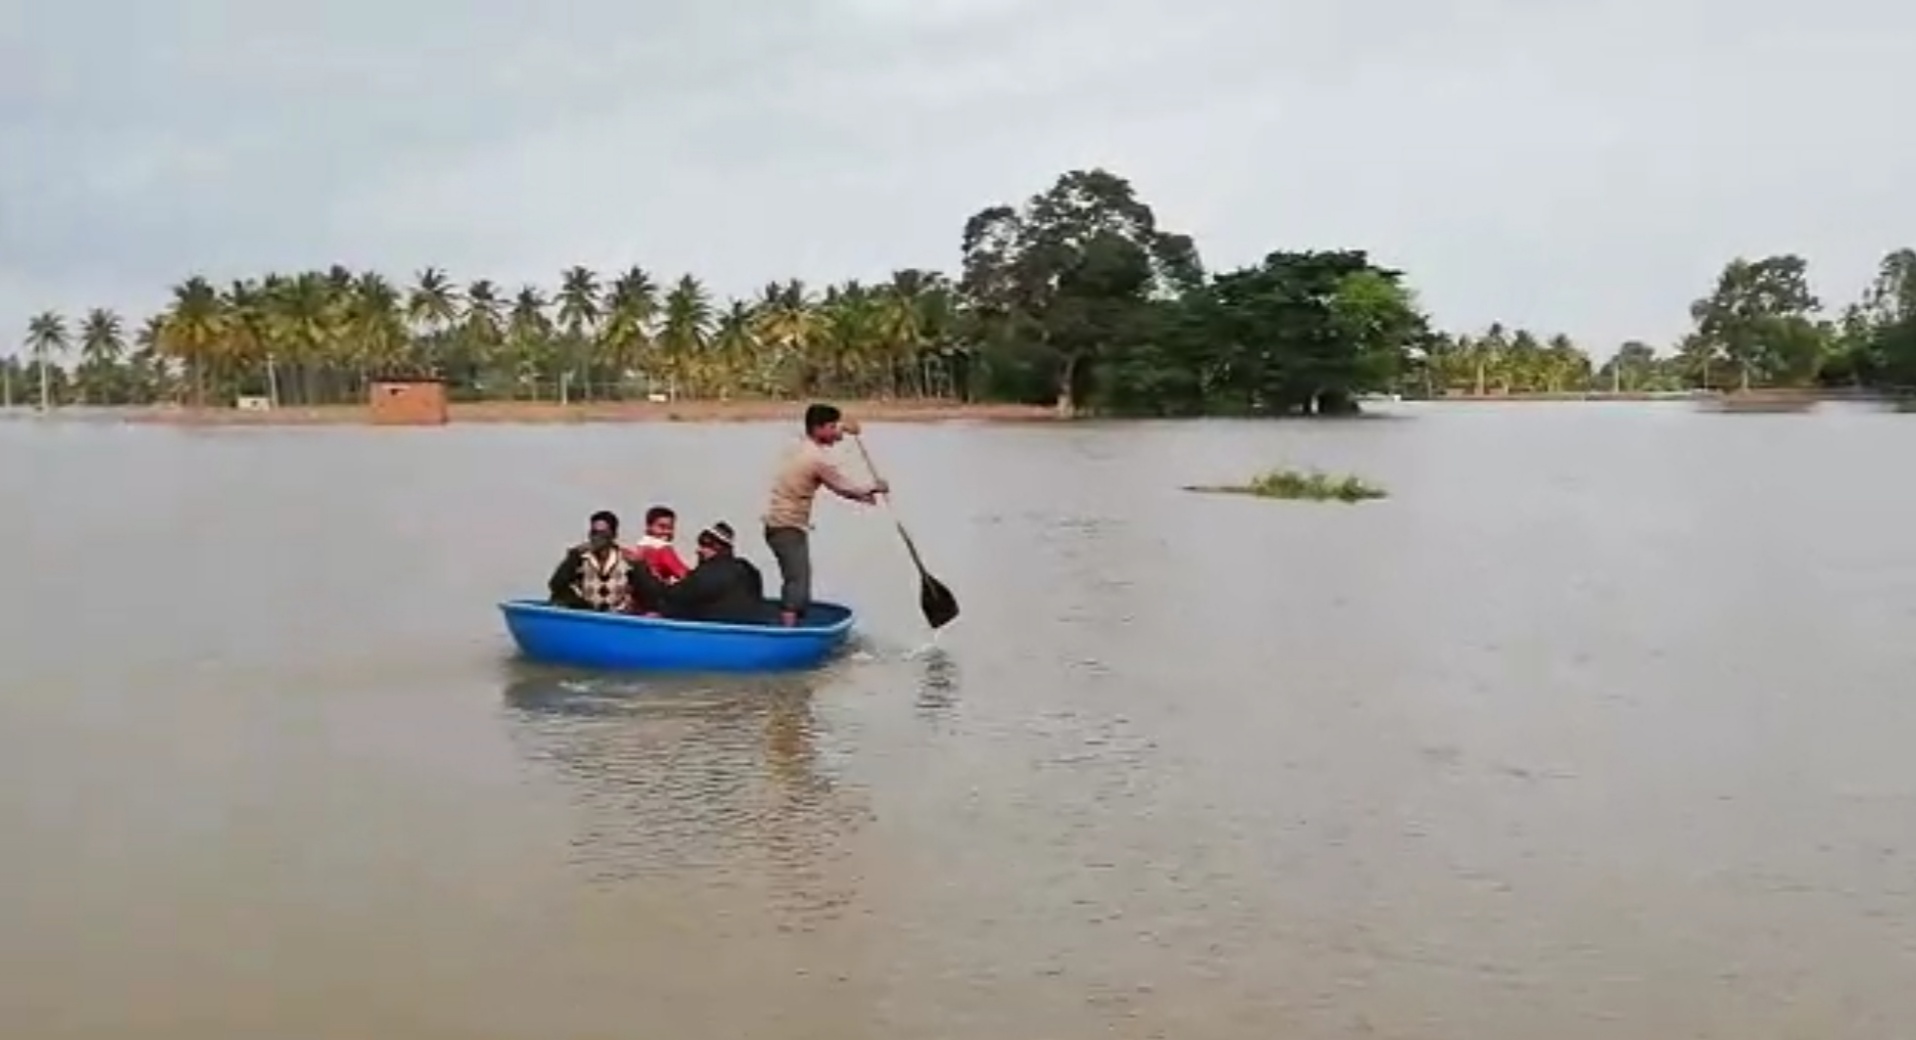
(802, 470)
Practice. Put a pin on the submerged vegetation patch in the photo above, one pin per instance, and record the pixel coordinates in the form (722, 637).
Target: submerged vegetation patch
(1296, 485)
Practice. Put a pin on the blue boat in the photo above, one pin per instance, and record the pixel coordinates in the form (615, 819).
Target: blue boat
(623, 642)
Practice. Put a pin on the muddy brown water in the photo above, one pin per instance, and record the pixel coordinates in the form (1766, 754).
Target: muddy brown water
(1600, 726)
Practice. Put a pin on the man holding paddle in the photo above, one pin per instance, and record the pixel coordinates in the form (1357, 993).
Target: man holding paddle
(804, 468)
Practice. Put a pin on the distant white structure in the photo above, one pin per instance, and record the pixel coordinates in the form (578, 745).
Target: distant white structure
(254, 404)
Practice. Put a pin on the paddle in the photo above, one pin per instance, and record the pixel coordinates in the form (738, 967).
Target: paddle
(939, 605)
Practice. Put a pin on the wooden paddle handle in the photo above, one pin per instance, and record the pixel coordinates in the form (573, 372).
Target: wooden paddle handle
(867, 456)
(910, 546)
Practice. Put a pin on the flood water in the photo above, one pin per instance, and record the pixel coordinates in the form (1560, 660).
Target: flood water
(1600, 726)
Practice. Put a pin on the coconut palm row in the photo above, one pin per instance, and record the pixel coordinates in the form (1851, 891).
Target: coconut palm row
(1504, 360)
(318, 337)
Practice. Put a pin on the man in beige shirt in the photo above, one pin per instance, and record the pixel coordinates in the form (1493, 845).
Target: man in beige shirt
(802, 470)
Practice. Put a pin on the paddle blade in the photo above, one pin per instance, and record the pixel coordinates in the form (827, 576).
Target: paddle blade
(939, 605)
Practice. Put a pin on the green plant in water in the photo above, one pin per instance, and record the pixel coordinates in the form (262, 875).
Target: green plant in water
(1311, 486)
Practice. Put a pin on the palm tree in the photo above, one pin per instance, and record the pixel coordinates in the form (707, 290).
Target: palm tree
(901, 325)
(46, 336)
(249, 334)
(1490, 354)
(529, 339)
(149, 377)
(195, 324)
(306, 312)
(432, 306)
(579, 315)
(481, 331)
(376, 326)
(318, 335)
(1568, 366)
(939, 344)
(631, 310)
(788, 327)
(102, 348)
(1453, 363)
(737, 348)
(853, 347)
(686, 331)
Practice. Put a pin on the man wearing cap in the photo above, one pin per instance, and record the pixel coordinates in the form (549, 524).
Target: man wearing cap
(722, 587)
(805, 467)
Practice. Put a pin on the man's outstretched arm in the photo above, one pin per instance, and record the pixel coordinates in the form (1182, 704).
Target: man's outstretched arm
(830, 476)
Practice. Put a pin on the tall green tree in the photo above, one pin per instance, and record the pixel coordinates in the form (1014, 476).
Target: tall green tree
(1886, 325)
(1288, 320)
(1759, 321)
(1299, 333)
(1070, 274)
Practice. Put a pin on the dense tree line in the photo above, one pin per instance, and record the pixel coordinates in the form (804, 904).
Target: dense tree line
(1076, 297)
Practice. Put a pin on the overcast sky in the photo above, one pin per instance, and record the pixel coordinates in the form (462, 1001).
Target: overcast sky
(1583, 167)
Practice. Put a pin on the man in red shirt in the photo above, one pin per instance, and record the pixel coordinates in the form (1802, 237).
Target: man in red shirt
(655, 550)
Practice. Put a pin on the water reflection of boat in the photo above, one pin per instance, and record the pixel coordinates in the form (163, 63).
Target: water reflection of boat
(714, 782)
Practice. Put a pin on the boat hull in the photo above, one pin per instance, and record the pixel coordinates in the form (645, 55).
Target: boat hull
(622, 642)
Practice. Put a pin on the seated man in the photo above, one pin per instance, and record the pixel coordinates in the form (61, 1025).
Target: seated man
(722, 588)
(594, 575)
(655, 549)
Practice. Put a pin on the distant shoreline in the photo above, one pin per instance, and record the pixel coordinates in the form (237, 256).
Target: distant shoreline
(1730, 400)
(883, 411)
(1566, 395)
(553, 413)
